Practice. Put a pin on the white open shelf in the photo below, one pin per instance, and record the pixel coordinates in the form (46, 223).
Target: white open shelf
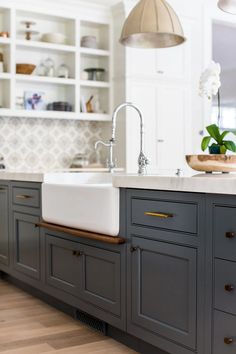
(5, 41)
(95, 52)
(45, 45)
(5, 76)
(45, 79)
(16, 49)
(90, 83)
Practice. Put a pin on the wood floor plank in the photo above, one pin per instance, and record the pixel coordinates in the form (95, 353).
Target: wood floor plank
(29, 326)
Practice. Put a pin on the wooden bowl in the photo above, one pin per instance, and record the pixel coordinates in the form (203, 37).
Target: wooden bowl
(212, 163)
(25, 69)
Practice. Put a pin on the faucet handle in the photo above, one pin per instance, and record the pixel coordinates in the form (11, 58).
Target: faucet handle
(102, 143)
(143, 161)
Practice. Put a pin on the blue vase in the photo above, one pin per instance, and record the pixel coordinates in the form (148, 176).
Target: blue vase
(214, 150)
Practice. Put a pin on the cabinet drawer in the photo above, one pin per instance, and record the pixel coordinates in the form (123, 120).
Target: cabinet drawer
(177, 216)
(224, 232)
(225, 286)
(29, 197)
(224, 333)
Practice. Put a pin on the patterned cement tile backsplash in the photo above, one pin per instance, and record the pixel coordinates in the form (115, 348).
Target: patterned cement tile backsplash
(41, 144)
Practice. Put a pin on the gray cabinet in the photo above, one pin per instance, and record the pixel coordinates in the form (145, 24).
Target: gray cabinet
(101, 278)
(163, 280)
(4, 224)
(63, 264)
(26, 254)
(25, 214)
(92, 274)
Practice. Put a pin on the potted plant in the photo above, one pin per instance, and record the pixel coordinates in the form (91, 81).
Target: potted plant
(220, 146)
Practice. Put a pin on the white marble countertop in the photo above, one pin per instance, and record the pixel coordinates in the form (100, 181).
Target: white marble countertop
(39, 176)
(197, 183)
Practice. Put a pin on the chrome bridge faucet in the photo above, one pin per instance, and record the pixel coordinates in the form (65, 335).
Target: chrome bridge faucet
(142, 159)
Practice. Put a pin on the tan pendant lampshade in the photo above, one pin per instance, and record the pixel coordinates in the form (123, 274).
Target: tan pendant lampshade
(228, 6)
(152, 24)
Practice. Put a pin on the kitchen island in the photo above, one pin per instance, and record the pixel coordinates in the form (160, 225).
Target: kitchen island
(168, 289)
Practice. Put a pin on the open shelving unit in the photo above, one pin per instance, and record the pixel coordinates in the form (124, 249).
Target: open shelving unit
(17, 50)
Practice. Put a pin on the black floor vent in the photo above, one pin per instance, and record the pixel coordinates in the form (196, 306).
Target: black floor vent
(91, 321)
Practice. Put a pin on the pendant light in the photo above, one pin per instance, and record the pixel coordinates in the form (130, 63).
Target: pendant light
(228, 6)
(152, 24)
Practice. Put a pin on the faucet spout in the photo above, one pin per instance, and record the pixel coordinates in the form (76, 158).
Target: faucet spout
(142, 159)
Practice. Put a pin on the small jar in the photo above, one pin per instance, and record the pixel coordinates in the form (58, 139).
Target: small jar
(41, 70)
(63, 71)
(50, 67)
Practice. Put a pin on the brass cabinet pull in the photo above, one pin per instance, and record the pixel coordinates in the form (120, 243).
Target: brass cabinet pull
(228, 340)
(23, 197)
(229, 287)
(2, 189)
(229, 234)
(158, 215)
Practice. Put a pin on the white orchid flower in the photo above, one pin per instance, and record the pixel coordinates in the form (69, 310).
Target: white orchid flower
(210, 81)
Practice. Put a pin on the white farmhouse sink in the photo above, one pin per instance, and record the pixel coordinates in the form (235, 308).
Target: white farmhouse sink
(85, 201)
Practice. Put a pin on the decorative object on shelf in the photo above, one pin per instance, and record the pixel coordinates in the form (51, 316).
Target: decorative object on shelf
(227, 6)
(152, 24)
(89, 105)
(89, 42)
(95, 74)
(212, 163)
(34, 100)
(20, 102)
(80, 161)
(83, 108)
(60, 106)
(1, 63)
(63, 71)
(50, 67)
(221, 145)
(210, 84)
(28, 31)
(84, 75)
(4, 34)
(25, 69)
(56, 38)
(41, 69)
(96, 105)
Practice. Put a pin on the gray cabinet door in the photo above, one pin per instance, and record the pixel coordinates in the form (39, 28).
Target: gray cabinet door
(26, 244)
(162, 297)
(63, 264)
(4, 225)
(101, 279)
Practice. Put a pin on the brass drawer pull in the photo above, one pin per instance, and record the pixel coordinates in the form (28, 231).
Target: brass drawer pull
(159, 215)
(229, 234)
(228, 340)
(229, 287)
(23, 197)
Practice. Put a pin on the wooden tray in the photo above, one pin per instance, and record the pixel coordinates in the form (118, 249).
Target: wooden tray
(212, 163)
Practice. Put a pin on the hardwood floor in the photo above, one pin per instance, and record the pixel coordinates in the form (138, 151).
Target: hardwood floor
(29, 326)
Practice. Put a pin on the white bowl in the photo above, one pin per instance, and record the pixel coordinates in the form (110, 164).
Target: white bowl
(57, 38)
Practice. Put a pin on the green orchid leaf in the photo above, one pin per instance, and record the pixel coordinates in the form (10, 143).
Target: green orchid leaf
(205, 142)
(230, 145)
(223, 135)
(214, 132)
